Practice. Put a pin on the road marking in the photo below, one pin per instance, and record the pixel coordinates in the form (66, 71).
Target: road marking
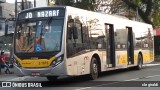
(132, 79)
(19, 78)
(116, 82)
(83, 88)
(98, 85)
(153, 76)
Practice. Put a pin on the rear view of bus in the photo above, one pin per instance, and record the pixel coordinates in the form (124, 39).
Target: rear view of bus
(38, 42)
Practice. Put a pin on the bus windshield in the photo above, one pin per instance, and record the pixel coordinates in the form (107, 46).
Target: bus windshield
(38, 36)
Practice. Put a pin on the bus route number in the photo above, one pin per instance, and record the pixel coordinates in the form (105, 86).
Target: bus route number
(29, 15)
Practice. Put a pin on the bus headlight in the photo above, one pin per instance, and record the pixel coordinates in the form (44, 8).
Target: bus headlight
(57, 61)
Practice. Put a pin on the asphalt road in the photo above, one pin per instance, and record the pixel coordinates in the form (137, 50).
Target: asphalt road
(146, 79)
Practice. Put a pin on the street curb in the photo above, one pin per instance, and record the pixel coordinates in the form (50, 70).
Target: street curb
(148, 65)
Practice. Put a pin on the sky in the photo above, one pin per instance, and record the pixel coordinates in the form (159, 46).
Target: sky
(13, 1)
(39, 3)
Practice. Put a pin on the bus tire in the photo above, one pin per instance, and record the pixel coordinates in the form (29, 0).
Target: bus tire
(52, 78)
(140, 63)
(93, 69)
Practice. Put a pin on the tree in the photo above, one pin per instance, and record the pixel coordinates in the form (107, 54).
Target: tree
(148, 10)
(156, 13)
(114, 6)
(83, 4)
(65, 2)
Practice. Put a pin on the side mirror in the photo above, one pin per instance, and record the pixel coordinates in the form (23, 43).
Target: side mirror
(75, 32)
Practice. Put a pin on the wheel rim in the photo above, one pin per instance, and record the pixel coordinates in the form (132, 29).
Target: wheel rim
(140, 62)
(94, 68)
(140, 65)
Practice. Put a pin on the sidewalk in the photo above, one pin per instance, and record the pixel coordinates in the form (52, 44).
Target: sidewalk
(11, 77)
(4, 77)
(155, 62)
(3, 69)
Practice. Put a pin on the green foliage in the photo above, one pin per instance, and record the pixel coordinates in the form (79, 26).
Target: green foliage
(86, 4)
(83, 4)
(148, 10)
(156, 13)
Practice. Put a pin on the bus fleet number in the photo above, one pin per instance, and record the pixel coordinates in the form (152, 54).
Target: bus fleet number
(43, 63)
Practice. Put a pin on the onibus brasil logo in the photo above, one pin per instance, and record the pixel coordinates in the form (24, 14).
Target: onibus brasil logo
(20, 84)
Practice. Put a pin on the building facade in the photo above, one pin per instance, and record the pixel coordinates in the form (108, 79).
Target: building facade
(6, 11)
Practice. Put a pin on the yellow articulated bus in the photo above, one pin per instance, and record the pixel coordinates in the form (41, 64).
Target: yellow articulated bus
(63, 40)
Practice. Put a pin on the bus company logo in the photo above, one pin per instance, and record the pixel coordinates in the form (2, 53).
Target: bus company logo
(6, 84)
(25, 63)
(21, 84)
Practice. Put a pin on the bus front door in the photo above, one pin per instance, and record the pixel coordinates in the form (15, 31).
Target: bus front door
(110, 46)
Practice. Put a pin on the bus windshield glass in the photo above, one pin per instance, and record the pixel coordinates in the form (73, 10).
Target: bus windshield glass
(38, 36)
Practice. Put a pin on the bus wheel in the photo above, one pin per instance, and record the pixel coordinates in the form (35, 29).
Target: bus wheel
(94, 69)
(140, 59)
(52, 78)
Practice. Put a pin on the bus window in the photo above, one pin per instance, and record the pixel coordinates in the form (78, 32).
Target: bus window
(39, 36)
(74, 45)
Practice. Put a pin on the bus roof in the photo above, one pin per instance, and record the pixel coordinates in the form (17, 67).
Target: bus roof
(78, 10)
(41, 8)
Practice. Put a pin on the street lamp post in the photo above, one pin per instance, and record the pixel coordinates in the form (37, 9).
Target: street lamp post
(6, 27)
(22, 5)
(34, 3)
(15, 8)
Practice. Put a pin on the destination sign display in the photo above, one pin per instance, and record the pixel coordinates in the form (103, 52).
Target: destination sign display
(42, 13)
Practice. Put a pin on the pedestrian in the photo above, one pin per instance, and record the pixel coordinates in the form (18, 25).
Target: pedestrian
(3, 63)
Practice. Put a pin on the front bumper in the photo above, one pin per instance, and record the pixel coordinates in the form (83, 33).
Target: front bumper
(49, 71)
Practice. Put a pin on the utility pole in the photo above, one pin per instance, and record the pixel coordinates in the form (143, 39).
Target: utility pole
(34, 3)
(26, 4)
(15, 8)
(22, 5)
(6, 27)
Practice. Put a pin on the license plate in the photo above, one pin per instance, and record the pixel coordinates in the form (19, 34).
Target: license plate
(35, 73)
